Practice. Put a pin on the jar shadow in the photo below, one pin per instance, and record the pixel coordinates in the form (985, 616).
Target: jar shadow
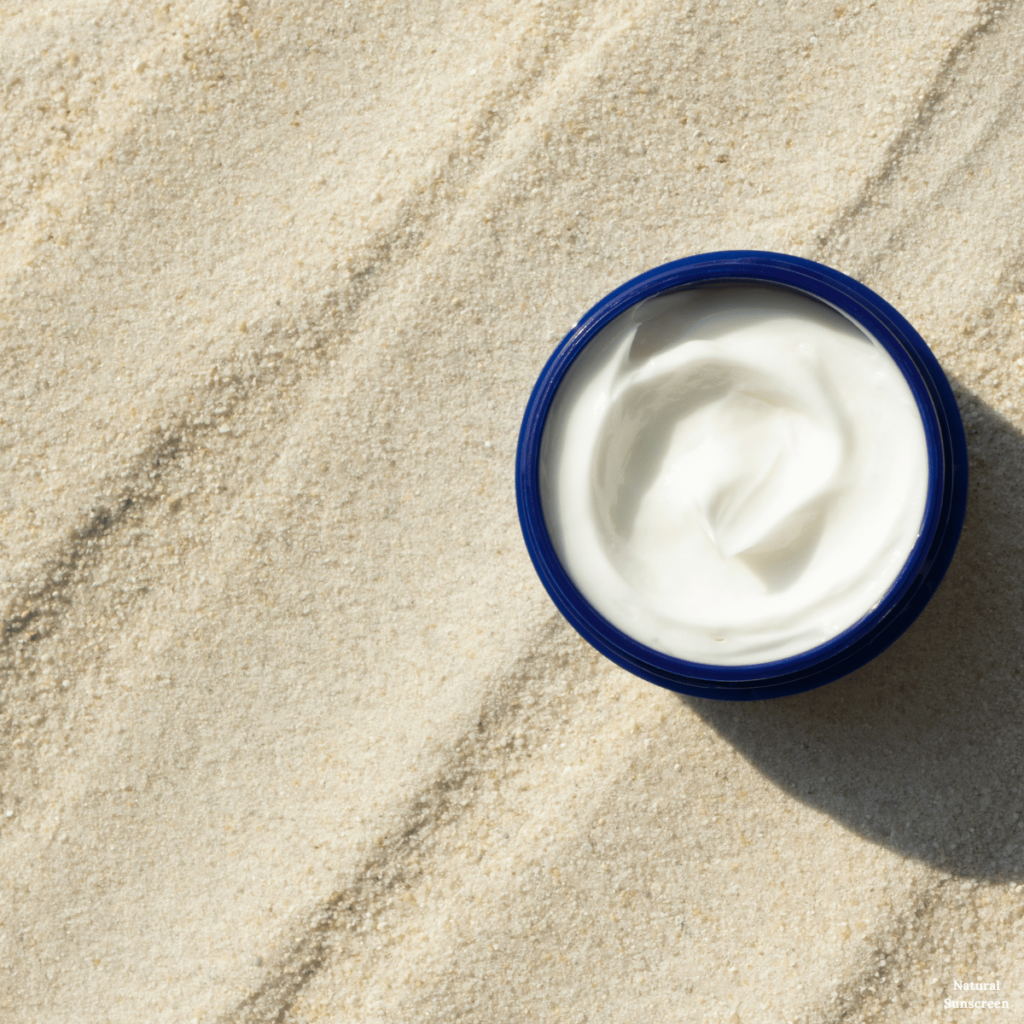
(922, 750)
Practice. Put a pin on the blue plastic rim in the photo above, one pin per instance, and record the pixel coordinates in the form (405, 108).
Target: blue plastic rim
(945, 504)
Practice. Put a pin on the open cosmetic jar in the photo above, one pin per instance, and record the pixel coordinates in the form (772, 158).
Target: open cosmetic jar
(741, 475)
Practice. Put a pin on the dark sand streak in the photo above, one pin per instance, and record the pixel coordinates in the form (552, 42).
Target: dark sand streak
(904, 147)
(319, 935)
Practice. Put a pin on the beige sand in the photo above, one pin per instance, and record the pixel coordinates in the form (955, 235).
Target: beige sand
(290, 731)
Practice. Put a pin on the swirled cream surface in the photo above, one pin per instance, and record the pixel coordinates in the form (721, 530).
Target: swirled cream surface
(733, 475)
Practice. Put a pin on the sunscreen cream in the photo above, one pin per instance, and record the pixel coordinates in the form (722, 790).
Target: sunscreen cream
(733, 475)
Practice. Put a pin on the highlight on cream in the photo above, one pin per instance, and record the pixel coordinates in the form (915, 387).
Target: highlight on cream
(733, 474)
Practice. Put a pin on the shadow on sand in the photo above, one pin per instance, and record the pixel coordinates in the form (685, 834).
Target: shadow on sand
(922, 750)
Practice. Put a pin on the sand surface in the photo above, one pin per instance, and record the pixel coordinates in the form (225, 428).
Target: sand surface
(289, 730)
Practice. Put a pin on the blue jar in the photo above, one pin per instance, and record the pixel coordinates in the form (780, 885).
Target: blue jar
(944, 502)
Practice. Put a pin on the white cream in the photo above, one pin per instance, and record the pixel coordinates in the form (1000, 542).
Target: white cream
(733, 475)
